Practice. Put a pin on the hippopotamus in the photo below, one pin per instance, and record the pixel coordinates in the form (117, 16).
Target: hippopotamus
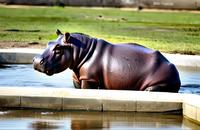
(98, 64)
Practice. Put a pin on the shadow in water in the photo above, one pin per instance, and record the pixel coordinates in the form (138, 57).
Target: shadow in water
(2, 66)
(190, 88)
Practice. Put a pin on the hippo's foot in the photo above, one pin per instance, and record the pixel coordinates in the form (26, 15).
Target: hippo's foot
(153, 88)
(76, 84)
(162, 88)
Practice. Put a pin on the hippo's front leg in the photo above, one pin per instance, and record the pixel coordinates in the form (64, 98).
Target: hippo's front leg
(76, 82)
(84, 84)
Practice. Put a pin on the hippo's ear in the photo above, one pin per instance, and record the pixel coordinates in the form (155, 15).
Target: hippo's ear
(67, 36)
(58, 32)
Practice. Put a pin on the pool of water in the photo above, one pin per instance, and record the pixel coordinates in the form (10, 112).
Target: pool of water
(25, 75)
(73, 120)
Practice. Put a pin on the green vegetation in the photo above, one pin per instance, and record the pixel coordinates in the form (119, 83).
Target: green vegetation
(172, 32)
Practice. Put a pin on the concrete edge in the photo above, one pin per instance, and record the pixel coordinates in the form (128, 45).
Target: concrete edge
(25, 56)
(191, 107)
(82, 99)
(18, 55)
(184, 60)
(100, 100)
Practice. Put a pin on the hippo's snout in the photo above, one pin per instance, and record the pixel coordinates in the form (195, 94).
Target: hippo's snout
(38, 63)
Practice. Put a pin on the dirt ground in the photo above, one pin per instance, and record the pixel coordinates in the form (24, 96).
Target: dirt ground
(6, 45)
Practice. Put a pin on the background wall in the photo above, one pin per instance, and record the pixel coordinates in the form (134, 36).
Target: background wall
(161, 4)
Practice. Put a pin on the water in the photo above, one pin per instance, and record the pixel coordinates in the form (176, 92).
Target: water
(190, 80)
(72, 120)
(25, 75)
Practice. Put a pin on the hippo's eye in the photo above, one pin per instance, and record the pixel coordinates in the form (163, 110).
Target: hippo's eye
(42, 61)
(57, 51)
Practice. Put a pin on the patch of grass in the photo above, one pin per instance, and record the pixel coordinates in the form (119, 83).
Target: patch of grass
(172, 32)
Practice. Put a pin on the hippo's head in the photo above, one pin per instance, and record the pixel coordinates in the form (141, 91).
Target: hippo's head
(57, 56)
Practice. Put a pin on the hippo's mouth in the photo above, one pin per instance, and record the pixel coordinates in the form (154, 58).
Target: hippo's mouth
(49, 73)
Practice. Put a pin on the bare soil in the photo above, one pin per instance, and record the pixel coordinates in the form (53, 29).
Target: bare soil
(6, 45)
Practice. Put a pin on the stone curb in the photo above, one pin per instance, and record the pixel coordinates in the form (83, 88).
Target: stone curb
(191, 107)
(184, 60)
(18, 55)
(82, 99)
(100, 100)
(22, 56)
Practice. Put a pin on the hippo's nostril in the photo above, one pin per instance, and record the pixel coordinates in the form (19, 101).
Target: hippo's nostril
(33, 59)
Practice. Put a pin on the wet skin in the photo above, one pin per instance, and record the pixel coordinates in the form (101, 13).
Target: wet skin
(98, 64)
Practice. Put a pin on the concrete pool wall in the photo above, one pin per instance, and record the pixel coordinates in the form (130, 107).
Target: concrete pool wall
(22, 55)
(97, 100)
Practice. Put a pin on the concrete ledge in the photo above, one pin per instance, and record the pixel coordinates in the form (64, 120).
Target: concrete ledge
(100, 100)
(41, 102)
(153, 106)
(88, 104)
(118, 105)
(191, 107)
(23, 55)
(9, 101)
(18, 56)
(184, 60)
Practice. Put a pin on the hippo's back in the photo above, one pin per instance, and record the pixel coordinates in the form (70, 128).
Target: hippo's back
(135, 67)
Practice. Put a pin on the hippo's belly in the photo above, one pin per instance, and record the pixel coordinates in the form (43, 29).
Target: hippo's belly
(127, 66)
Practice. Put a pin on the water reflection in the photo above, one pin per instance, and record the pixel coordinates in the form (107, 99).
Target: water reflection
(77, 120)
(43, 125)
(88, 124)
